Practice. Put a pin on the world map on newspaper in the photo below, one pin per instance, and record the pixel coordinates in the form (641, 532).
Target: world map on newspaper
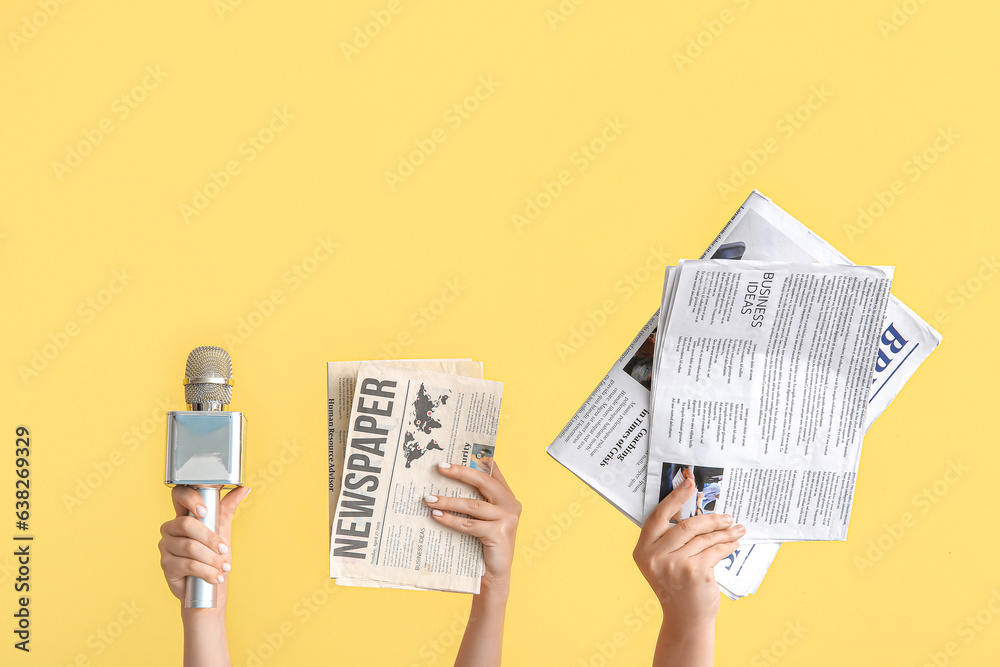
(423, 418)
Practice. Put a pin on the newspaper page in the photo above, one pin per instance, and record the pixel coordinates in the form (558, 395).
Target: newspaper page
(341, 377)
(740, 573)
(763, 383)
(403, 423)
(762, 230)
(606, 442)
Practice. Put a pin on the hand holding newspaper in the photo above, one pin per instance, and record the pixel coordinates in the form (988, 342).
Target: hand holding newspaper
(606, 443)
(760, 383)
(403, 423)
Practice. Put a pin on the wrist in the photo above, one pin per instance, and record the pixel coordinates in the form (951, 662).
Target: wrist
(494, 589)
(687, 631)
(204, 617)
(206, 643)
(685, 644)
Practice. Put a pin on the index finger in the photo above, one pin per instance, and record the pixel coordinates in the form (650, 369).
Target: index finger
(658, 522)
(490, 488)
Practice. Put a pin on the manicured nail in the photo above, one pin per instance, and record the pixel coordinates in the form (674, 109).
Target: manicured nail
(741, 528)
(226, 567)
(444, 464)
(221, 578)
(223, 549)
(728, 518)
(202, 511)
(437, 512)
(430, 499)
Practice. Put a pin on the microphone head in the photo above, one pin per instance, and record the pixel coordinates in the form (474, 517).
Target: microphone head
(208, 376)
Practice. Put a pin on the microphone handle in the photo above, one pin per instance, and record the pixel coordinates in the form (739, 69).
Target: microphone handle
(199, 594)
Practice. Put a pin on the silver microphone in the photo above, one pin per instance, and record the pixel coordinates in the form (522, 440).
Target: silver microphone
(206, 446)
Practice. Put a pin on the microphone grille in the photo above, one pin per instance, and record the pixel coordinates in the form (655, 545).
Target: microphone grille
(208, 361)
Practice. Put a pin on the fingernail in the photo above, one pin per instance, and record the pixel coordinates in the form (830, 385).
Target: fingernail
(437, 512)
(202, 511)
(737, 545)
(226, 567)
(223, 549)
(741, 528)
(221, 578)
(444, 464)
(430, 499)
(728, 517)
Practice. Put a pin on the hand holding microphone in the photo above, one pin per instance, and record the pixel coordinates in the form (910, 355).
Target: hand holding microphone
(189, 549)
(205, 452)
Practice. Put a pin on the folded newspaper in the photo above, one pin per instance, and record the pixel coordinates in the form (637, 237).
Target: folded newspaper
(606, 443)
(760, 380)
(400, 423)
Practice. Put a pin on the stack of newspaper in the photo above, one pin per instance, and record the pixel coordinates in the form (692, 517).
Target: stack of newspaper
(762, 389)
(760, 380)
(390, 424)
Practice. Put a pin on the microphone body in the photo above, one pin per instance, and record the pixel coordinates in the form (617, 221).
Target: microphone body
(206, 447)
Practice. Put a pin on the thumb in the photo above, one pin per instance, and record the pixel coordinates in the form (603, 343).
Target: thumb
(227, 508)
(658, 522)
(232, 500)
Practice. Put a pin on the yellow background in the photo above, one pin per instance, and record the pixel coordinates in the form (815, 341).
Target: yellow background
(687, 126)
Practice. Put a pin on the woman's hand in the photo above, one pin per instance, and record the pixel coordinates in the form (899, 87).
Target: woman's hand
(678, 561)
(493, 519)
(188, 547)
